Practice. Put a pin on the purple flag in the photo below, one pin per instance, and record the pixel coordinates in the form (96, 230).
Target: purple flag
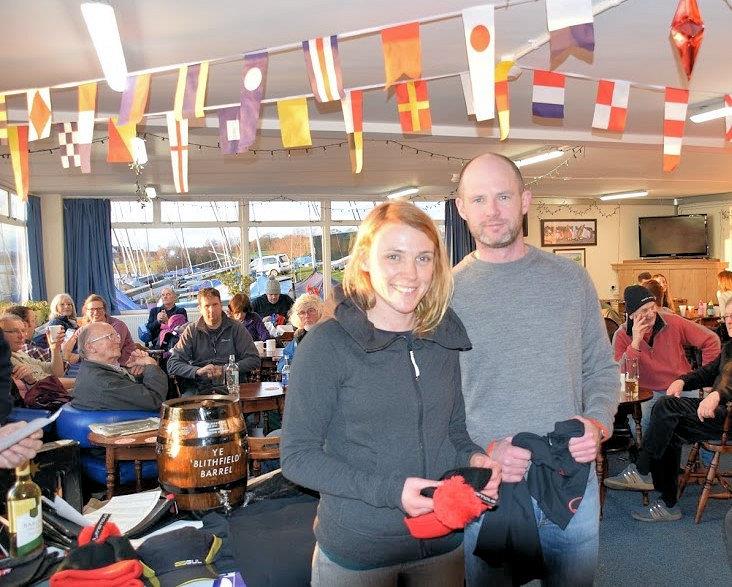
(229, 142)
(577, 40)
(253, 80)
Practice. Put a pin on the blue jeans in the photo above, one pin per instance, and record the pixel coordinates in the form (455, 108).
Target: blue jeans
(570, 554)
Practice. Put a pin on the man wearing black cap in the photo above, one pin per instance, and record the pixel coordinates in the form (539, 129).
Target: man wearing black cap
(657, 340)
(272, 302)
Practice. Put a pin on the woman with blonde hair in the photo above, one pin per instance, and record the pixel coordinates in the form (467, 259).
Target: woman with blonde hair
(63, 312)
(304, 314)
(375, 412)
(667, 301)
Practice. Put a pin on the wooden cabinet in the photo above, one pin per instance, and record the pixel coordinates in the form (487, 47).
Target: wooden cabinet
(693, 279)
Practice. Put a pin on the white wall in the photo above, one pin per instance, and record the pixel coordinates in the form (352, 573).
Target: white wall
(617, 235)
(52, 216)
(719, 225)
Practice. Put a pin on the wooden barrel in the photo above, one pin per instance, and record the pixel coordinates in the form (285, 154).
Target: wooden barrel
(202, 452)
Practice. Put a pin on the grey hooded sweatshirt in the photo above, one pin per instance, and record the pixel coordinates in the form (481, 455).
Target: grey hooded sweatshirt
(365, 410)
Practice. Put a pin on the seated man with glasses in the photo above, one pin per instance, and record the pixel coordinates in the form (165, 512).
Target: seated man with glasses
(202, 353)
(677, 420)
(103, 385)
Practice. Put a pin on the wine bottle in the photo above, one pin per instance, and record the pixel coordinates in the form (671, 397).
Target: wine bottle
(24, 514)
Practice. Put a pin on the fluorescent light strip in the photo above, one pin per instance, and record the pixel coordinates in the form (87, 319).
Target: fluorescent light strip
(623, 195)
(102, 26)
(547, 156)
(403, 193)
(711, 114)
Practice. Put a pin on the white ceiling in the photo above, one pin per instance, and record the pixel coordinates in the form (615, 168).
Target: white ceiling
(47, 44)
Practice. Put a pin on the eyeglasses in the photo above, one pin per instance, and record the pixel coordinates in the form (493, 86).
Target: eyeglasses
(13, 331)
(727, 316)
(92, 310)
(108, 335)
(308, 312)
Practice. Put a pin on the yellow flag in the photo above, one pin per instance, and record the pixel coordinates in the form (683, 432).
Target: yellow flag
(294, 122)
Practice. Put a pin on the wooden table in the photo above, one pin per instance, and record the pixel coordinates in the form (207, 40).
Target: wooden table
(261, 397)
(636, 412)
(129, 447)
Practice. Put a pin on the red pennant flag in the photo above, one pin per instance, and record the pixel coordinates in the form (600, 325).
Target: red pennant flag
(18, 143)
(677, 101)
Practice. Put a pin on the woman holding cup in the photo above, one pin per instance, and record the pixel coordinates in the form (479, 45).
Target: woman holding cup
(375, 412)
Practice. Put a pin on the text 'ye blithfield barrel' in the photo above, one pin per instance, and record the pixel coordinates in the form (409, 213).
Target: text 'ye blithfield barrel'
(202, 451)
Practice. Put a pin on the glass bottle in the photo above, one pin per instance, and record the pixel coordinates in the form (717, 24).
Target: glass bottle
(232, 378)
(286, 373)
(24, 514)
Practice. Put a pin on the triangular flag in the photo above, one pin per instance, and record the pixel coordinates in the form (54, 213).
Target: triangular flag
(413, 105)
(728, 118)
(294, 122)
(178, 138)
(229, 131)
(502, 98)
(478, 23)
(352, 105)
(134, 99)
(674, 118)
(402, 53)
(3, 118)
(324, 68)
(571, 30)
(120, 141)
(548, 94)
(611, 105)
(687, 33)
(39, 113)
(18, 143)
(69, 142)
(87, 101)
(254, 77)
(190, 92)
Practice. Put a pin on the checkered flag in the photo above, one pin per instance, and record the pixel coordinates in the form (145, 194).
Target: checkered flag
(68, 140)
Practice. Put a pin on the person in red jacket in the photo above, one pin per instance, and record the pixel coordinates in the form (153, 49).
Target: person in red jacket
(657, 340)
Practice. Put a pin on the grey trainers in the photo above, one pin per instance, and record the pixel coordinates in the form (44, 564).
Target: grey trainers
(657, 512)
(630, 479)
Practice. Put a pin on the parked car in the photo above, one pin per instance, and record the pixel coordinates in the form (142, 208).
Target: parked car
(271, 264)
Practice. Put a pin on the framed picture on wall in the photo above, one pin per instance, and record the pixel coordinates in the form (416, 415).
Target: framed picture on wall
(568, 233)
(576, 255)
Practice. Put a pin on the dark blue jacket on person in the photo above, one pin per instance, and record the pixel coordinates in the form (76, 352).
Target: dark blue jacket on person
(153, 325)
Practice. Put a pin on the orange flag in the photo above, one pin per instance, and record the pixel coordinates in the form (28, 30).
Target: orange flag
(402, 53)
(18, 143)
(413, 105)
(502, 97)
(120, 141)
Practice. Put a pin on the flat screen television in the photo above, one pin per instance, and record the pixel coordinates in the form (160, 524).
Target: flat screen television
(673, 236)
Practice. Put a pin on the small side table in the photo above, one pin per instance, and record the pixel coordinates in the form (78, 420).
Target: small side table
(644, 395)
(128, 447)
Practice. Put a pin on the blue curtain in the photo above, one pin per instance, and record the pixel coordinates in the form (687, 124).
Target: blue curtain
(88, 250)
(458, 239)
(35, 248)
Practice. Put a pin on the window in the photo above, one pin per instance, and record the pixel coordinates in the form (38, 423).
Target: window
(129, 211)
(14, 265)
(199, 211)
(351, 211)
(283, 210)
(17, 207)
(4, 210)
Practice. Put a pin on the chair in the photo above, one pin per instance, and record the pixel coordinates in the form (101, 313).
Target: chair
(74, 424)
(713, 474)
(262, 449)
(611, 326)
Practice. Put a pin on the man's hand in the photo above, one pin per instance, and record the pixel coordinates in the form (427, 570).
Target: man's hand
(25, 373)
(514, 461)
(55, 342)
(210, 371)
(640, 327)
(584, 448)
(23, 450)
(162, 317)
(413, 503)
(707, 406)
(140, 358)
(675, 388)
(484, 461)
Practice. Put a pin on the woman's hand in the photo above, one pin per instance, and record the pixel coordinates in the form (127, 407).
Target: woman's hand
(413, 503)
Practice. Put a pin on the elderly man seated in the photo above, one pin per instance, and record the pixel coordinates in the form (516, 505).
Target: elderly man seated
(27, 371)
(205, 346)
(273, 303)
(103, 385)
(28, 316)
(159, 315)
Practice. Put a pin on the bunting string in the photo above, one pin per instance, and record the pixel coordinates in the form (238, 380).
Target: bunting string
(544, 210)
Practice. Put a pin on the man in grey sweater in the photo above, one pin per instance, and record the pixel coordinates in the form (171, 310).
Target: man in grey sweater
(540, 355)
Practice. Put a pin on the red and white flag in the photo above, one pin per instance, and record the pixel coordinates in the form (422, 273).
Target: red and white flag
(324, 68)
(178, 137)
(728, 118)
(677, 101)
(480, 32)
(352, 105)
(611, 105)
